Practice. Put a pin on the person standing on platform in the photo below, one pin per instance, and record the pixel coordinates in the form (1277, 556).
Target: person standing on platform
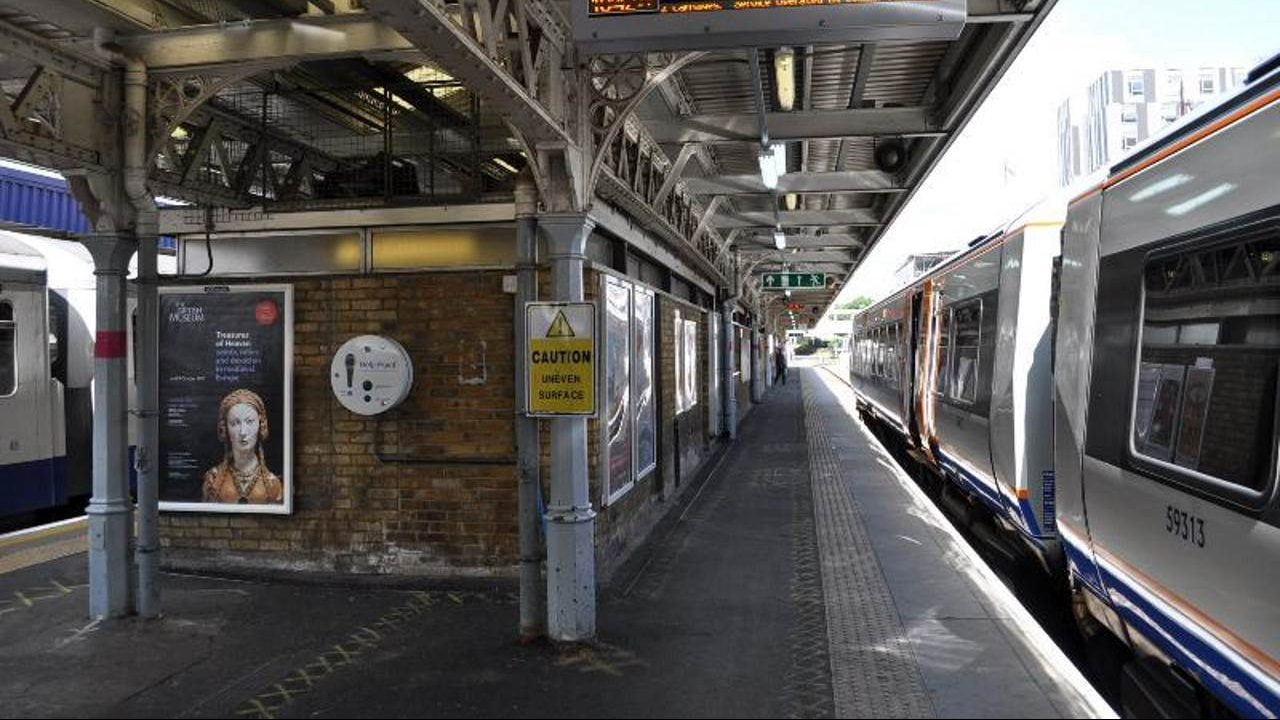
(780, 365)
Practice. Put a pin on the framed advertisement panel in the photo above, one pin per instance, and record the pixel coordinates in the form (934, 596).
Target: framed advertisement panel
(646, 406)
(629, 446)
(226, 399)
(617, 421)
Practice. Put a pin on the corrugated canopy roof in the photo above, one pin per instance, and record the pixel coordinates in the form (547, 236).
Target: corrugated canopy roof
(369, 111)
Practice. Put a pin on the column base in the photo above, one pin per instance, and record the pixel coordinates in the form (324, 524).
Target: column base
(110, 564)
(571, 572)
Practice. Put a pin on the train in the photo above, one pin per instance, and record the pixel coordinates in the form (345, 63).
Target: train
(47, 320)
(1099, 380)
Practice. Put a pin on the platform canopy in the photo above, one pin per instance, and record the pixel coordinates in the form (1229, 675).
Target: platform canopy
(774, 152)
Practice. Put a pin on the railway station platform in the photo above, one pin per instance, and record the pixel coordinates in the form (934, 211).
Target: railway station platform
(805, 577)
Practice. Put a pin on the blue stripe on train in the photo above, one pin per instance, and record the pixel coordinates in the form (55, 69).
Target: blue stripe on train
(33, 485)
(1029, 518)
(967, 479)
(1081, 561)
(1215, 669)
(1029, 528)
(1219, 671)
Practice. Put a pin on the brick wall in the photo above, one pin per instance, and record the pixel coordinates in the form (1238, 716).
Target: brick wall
(382, 494)
(430, 487)
(667, 405)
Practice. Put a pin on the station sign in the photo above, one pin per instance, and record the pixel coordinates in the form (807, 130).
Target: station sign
(795, 281)
(621, 26)
(561, 361)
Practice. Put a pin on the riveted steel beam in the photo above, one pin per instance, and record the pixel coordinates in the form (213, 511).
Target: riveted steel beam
(804, 242)
(856, 217)
(798, 125)
(429, 27)
(851, 181)
(271, 43)
(791, 256)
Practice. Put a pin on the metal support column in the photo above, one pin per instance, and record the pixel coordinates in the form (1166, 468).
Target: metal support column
(146, 227)
(757, 366)
(533, 599)
(148, 453)
(571, 576)
(729, 387)
(110, 509)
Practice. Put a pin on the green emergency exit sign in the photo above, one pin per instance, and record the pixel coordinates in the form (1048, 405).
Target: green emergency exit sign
(795, 281)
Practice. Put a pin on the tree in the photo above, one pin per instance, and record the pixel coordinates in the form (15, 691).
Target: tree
(857, 303)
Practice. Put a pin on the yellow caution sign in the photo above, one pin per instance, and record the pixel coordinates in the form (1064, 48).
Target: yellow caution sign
(561, 361)
(560, 327)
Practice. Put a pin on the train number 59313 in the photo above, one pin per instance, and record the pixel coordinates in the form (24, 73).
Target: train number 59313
(1183, 525)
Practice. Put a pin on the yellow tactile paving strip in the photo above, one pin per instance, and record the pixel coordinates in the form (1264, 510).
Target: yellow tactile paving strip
(22, 550)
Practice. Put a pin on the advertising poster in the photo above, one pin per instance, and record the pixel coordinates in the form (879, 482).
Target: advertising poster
(618, 409)
(226, 401)
(646, 427)
(1195, 410)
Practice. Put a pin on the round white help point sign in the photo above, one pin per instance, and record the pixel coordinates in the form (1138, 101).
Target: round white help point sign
(371, 374)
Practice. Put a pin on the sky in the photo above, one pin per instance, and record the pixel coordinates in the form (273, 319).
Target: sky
(1005, 160)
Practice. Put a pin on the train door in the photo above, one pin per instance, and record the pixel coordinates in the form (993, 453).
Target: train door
(912, 350)
(28, 478)
(923, 348)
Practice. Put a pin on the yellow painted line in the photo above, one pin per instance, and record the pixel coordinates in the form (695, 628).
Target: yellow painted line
(65, 527)
(26, 557)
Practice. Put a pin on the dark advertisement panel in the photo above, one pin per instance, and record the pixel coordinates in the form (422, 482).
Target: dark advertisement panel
(226, 400)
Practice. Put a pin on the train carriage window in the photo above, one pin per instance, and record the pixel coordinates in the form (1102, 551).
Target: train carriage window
(884, 352)
(876, 349)
(944, 348)
(880, 348)
(8, 350)
(895, 368)
(888, 353)
(966, 322)
(1209, 360)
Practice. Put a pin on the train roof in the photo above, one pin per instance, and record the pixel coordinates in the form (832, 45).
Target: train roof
(19, 261)
(1050, 211)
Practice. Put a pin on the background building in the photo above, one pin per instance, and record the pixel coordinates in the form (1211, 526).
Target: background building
(919, 264)
(1122, 108)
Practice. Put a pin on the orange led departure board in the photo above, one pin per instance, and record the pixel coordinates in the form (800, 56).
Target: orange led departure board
(631, 7)
(622, 26)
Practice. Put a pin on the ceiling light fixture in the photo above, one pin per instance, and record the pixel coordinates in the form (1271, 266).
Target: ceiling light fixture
(769, 164)
(505, 165)
(779, 240)
(768, 169)
(784, 77)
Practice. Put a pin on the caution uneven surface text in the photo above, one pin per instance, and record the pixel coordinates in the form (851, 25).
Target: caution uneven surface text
(561, 362)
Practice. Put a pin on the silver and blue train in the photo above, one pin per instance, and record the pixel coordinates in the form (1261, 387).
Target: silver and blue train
(1103, 380)
(47, 319)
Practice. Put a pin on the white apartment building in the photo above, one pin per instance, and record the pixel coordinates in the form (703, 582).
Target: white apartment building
(1122, 108)
(919, 264)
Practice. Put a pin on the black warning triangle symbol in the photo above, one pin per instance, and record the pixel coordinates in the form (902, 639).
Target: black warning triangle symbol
(560, 327)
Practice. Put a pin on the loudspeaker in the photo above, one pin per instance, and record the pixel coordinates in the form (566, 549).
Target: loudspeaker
(891, 155)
